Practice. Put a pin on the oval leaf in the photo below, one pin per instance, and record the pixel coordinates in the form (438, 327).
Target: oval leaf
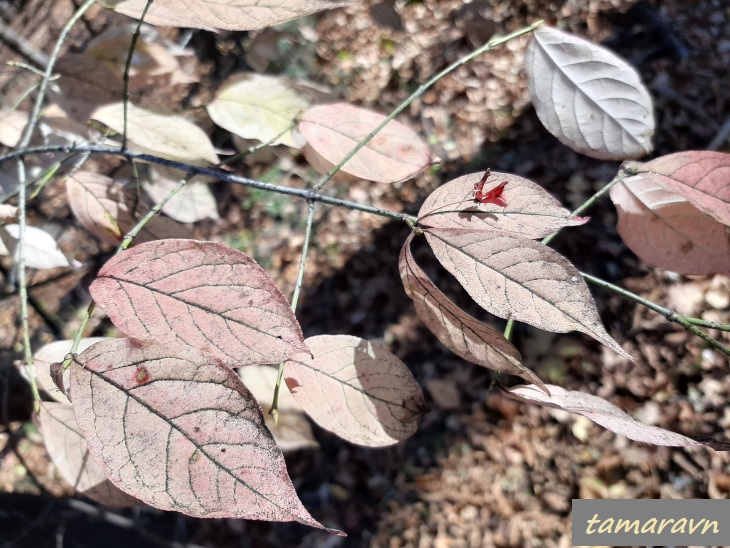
(202, 294)
(665, 230)
(530, 211)
(701, 177)
(165, 135)
(521, 280)
(255, 106)
(229, 15)
(357, 390)
(464, 335)
(104, 207)
(41, 249)
(69, 452)
(587, 97)
(180, 432)
(607, 415)
(394, 154)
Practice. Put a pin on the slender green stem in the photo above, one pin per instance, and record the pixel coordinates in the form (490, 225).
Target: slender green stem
(274, 411)
(420, 91)
(22, 198)
(668, 314)
(128, 68)
(708, 324)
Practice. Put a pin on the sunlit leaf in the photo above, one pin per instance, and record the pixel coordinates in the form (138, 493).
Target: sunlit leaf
(665, 230)
(607, 415)
(165, 135)
(530, 211)
(68, 451)
(203, 294)
(256, 106)
(357, 390)
(193, 203)
(172, 427)
(587, 97)
(396, 153)
(701, 177)
(229, 15)
(41, 249)
(464, 335)
(12, 123)
(520, 279)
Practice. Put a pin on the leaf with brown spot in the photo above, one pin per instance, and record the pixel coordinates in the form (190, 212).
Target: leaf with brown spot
(356, 389)
(202, 294)
(189, 437)
(531, 212)
(520, 279)
(464, 335)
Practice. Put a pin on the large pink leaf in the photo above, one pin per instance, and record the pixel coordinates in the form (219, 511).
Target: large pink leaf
(521, 280)
(394, 154)
(702, 177)
(357, 390)
(203, 294)
(172, 427)
(464, 335)
(104, 207)
(229, 15)
(68, 451)
(530, 211)
(607, 415)
(665, 230)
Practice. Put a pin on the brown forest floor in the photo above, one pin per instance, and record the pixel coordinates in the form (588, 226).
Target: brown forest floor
(480, 471)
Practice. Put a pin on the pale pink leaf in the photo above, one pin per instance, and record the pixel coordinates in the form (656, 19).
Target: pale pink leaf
(228, 15)
(530, 211)
(69, 452)
(202, 294)
(607, 415)
(701, 177)
(589, 98)
(8, 213)
(520, 279)
(104, 207)
(293, 431)
(394, 154)
(356, 389)
(51, 353)
(464, 335)
(665, 230)
(172, 427)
